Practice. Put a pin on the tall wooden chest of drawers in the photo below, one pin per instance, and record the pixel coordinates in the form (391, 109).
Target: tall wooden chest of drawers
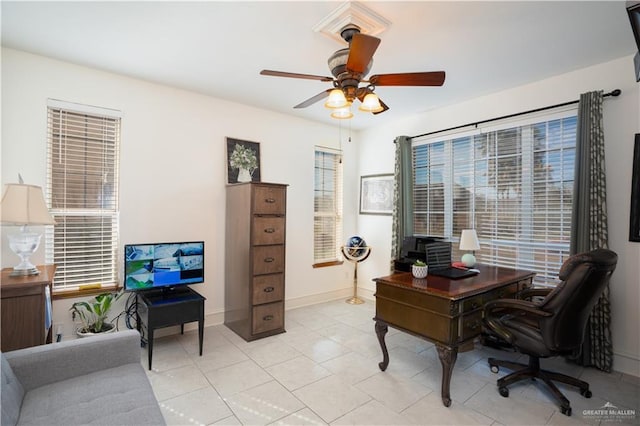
(255, 259)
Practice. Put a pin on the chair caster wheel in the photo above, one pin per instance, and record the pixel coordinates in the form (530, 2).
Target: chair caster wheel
(504, 392)
(495, 369)
(566, 411)
(586, 393)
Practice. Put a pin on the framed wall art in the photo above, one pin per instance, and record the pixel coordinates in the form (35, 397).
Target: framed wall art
(243, 161)
(376, 194)
(634, 221)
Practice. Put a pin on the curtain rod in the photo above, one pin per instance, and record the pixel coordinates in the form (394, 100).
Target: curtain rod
(614, 93)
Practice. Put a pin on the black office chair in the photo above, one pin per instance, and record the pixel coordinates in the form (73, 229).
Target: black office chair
(553, 326)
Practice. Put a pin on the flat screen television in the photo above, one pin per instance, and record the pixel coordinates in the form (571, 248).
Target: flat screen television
(163, 265)
(633, 9)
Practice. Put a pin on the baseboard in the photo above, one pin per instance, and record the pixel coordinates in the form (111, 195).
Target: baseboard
(626, 363)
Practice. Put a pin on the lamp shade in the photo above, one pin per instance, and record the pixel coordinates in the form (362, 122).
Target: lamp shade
(24, 205)
(371, 103)
(469, 240)
(342, 113)
(336, 99)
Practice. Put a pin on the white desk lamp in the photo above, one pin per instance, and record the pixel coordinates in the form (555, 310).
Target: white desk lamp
(469, 242)
(24, 205)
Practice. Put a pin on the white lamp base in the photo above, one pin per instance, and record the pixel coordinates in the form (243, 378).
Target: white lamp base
(24, 245)
(468, 260)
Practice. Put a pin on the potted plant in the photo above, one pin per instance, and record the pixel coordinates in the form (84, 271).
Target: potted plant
(419, 269)
(93, 314)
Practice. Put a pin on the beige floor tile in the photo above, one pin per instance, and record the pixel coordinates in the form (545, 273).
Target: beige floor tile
(200, 407)
(395, 392)
(263, 404)
(298, 372)
(372, 413)
(178, 381)
(430, 411)
(352, 367)
(237, 377)
(302, 417)
(331, 397)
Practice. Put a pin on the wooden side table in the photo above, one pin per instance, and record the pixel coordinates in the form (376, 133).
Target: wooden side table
(24, 303)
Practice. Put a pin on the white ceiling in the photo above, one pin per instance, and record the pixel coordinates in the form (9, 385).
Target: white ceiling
(218, 48)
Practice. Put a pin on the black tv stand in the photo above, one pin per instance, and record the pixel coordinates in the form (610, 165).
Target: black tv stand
(165, 307)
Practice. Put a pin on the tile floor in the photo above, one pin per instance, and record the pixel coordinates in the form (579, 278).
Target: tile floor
(324, 370)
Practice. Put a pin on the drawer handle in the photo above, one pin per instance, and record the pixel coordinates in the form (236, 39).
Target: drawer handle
(267, 318)
(268, 289)
(269, 200)
(270, 230)
(474, 305)
(474, 325)
(268, 259)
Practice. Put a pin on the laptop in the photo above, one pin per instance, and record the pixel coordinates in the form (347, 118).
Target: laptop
(452, 273)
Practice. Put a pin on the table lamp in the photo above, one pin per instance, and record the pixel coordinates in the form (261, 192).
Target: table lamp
(469, 242)
(24, 205)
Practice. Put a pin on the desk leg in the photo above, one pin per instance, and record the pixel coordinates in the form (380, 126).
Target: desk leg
(201, 333)
(381, 330)
(150, 346)
(448, 358)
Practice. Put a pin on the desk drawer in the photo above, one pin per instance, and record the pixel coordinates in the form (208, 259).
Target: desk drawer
(268, 317)
(268, 288)
(477, 302)
(268, 259)
(269, 200)
(424, 301)
(268, 230)
(470, 325)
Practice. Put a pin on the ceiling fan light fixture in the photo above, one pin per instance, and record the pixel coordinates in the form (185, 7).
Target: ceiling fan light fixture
(336, 99)
(370, 103)
(342, 113)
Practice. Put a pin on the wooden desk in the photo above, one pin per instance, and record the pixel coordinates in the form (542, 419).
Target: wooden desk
(443, 311)
(23, 308)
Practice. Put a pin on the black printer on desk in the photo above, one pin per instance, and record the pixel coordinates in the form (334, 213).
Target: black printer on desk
(434, 251)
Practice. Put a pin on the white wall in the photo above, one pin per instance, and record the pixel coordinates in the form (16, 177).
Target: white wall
(622, 121)
(173, 159)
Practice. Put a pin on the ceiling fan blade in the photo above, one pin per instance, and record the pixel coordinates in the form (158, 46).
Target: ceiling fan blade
(433, 78)
(361, 50)
(295, 75)
(312, 100)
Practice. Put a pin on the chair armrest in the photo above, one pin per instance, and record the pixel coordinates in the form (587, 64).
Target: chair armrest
(528, 293)
(41, 365)
(514, 305)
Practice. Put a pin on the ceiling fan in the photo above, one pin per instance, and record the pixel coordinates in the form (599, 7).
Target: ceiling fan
(350, 65)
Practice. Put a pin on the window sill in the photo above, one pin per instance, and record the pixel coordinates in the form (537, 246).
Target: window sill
(325, 264)
(76, 292)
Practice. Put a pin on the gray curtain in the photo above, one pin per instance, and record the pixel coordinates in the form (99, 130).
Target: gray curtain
(589, 222)
(402, 221)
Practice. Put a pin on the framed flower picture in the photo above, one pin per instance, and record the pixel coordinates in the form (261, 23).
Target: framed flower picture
(243, 161)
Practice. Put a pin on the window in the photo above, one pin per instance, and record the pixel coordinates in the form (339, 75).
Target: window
(82, 194)
(327, 201)
(512, 183)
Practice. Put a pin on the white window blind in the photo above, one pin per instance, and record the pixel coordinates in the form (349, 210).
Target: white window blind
(82, 194)
(512, 184)
(327, 197)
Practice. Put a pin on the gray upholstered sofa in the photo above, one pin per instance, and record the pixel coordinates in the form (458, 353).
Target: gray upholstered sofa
(97, 380)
